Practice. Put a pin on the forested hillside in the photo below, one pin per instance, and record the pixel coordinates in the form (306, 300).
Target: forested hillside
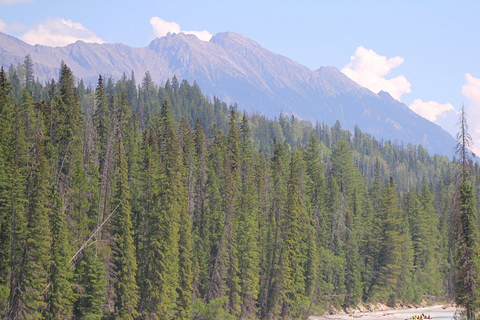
(146, 201)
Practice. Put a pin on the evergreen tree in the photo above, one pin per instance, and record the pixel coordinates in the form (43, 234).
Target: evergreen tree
(185, 243)
(30, 230)
(293, 260)
(101, 121)
(467, 259)
(91, 281)
(389, 255)
(29, 78)
(316, 189)
(59, 297)
(247, 227)
(6, 156)
(126, 289)
(353, 267)
(159, 292)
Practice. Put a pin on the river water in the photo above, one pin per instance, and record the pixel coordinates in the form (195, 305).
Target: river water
(436, 312)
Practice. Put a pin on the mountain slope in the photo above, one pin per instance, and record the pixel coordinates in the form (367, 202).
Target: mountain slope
(237, 69)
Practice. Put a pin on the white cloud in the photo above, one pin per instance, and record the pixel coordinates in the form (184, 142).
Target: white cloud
(3, 26)
(161, 28)
(14, 1)
(59, 32)
(369, 69)
(471, 91)
(11, 27)
(445, 115)
(430, 110)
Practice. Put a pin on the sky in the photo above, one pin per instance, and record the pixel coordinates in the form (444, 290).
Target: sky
(424, 53)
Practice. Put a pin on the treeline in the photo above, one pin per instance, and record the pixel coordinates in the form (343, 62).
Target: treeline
(152, 202)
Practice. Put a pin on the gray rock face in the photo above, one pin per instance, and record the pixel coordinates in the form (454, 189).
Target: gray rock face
(237, 69)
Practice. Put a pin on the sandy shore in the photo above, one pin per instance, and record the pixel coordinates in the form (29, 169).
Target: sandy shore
(439, 312)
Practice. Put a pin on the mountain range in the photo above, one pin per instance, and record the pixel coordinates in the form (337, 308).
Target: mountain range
(239, 70)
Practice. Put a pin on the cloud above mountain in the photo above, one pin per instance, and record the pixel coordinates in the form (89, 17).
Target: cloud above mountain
(369, 69)
(58, 32)
(11, 27)
(3, 26)
(445, 115)
(161, 28)
(430, 110)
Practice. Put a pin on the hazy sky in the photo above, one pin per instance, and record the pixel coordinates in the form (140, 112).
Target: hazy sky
(424, 53)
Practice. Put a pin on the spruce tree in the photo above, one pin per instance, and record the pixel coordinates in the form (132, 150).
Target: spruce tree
(161, 260)
(293, 272)
(31, 237)
(91, 284)
(29, 78)
(467, 258)
(230, 206)
(186, 203)
(390, 238)
(102, 122)
(247, 227)
(125, 264)
(59, 297)
(6, 107)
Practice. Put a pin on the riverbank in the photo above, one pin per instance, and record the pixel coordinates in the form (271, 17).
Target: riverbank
(438, 312)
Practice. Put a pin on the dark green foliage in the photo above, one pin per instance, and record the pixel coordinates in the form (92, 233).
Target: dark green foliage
(30, 227)
(297, 261)
(29, 78)
(467, 258)
(6, 104)
(241, 217)
(467, 250)
(389, 240)
(60, 294)
(126, 289)
(91, 281)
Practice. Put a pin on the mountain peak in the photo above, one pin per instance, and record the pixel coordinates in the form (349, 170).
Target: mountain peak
(228, 39)
(176, 40)
(337, 82)
(237, 69)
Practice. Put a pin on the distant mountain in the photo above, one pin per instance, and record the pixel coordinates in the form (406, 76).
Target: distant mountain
(237, 69)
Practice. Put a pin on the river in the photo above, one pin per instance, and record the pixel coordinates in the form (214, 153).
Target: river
(436, 312)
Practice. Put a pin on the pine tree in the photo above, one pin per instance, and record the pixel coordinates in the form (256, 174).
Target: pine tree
(293, 261)
(199, 223)
(389, 255)
(161, 261)
(270, 290)
(247, 227)
(126, 289)
(102, 123)
(29, 78)
(59, 296)
(316, 190)
(467, 259)
(230, 198)
(91, 282)
(6, 107)
(185, 243)
(353, 268)
(149, 182)
(30, 228)
(425, 239)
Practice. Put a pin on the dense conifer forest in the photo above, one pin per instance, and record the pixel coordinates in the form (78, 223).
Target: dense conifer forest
(126, 200)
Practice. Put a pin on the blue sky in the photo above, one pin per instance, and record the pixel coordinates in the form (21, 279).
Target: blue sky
(425, 53)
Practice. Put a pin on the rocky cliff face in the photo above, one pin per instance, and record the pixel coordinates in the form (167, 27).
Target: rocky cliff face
(237, 69)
